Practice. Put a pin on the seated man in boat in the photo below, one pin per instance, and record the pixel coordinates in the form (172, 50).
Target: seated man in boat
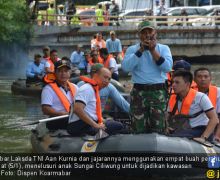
(109, 92)
(109, 62)
(34, 72)
(203, 78)
(87, 117)
(57, 96)
(191, 113)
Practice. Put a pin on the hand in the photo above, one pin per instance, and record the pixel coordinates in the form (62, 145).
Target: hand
(100, 126)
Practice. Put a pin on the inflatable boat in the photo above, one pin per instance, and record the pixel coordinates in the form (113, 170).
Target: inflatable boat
(44, 141)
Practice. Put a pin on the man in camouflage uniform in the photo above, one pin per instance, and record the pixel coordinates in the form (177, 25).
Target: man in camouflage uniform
(148, 62)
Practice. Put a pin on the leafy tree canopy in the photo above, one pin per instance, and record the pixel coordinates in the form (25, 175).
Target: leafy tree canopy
(14, 21)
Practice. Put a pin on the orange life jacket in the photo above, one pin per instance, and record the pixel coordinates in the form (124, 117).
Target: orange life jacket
(50, 77)
(106, 63)
(186, 102)
(97, 96)
(63, 99)
(213, 92)
(99, 61)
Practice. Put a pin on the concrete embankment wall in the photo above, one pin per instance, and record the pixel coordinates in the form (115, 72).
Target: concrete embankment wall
(183, 41)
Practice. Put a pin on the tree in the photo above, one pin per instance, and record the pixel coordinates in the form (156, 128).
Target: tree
(14, 21)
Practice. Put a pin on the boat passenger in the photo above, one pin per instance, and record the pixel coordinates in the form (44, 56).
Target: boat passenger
(87, 117)
(109, 92)
(57, 96)
(109, 62)
(78, 59)
(199, 118)
(49, 66)
(203, 78)
(94, 58)
(148, 62)
(35, 70)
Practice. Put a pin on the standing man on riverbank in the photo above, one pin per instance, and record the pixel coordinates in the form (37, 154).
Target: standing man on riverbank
(113, 45)
(148, 62)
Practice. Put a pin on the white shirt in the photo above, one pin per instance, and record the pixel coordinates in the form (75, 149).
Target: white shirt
(49, 97)
(86, 95)
(113, 64)
(200, 103)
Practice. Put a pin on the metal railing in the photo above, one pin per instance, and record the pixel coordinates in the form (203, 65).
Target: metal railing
(85, 20)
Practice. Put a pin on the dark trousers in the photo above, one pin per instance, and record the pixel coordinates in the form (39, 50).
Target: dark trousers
(57, 124)
(192, 133)
(115, 76)
(79, 128)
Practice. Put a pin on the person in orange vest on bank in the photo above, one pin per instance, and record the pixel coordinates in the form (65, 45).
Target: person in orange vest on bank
(203, 78)
(87, 118)
(109, 62)
(57, 96)
(198, 117)
(49, 66)
(98, 42)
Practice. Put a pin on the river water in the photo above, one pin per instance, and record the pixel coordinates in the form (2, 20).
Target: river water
(16, 110)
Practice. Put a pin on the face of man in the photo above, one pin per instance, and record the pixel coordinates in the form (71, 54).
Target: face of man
(46, 52)
(203, 79)
(103, 77)
(62, 74)
(113, 36)
(37, 60)
(103, 56)
(147, 35)
(94, 56)
(99, 37)
(53, 56)
(180, 86)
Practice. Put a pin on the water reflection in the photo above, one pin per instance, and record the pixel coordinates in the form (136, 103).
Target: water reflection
(20, 109)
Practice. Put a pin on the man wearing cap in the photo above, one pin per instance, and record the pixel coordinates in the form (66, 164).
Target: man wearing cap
(191, 113)
(78, 59)
(203, 78)
(57, 96)
(35, 70)
(113, 45)
(148, 62)
(87, 118)
(108, 92)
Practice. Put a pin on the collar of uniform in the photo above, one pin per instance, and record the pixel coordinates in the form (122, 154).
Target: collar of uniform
(59, 85)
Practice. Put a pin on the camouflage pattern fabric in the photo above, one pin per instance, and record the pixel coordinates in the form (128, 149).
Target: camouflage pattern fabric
(148, 110)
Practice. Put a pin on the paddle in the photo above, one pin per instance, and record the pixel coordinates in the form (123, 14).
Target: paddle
(43, 120)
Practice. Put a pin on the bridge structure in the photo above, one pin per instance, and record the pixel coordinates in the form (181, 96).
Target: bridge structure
(183, 40)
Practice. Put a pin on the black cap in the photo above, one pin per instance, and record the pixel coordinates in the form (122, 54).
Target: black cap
(181, 65)
(62, 63)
